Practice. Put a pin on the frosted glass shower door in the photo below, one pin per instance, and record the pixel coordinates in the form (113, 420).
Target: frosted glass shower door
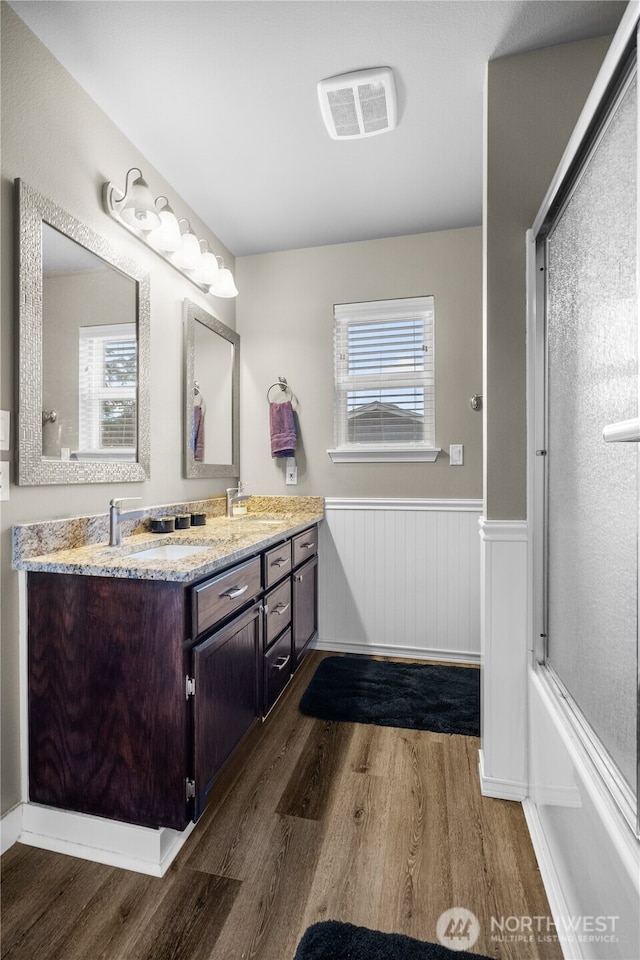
(592, 485)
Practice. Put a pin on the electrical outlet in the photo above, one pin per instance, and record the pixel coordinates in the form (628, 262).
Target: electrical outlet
(4, 479)
(456, 454)
(292, 470)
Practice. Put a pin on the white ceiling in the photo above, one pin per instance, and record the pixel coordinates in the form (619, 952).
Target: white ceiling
(220, 95)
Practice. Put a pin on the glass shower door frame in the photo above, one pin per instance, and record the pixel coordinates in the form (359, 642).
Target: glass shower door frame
(612, 79)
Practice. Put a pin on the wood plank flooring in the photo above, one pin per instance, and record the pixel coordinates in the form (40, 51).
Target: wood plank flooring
(311, 820)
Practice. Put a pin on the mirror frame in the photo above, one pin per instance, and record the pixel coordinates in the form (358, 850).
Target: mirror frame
(192, 468)
(32, 210)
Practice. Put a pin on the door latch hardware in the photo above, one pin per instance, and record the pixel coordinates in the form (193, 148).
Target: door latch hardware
(190, 687)
(190, 789)
(541, 453)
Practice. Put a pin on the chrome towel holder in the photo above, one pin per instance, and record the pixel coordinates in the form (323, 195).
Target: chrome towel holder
(284, 386)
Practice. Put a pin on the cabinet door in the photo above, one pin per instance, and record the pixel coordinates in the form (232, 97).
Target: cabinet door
(108, 718)
(305, 607)
(225, 668)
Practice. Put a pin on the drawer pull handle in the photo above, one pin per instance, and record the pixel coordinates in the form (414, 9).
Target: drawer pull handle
(280, 609)
(299, 577)
(306, 546)
(280, 562)
(234, 592)
(281, 662)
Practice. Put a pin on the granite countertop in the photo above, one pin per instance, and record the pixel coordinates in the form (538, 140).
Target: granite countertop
(223, 540)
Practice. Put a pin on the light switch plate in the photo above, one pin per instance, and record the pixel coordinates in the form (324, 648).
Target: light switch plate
(4, 479)
(5, 429)
(456, 454)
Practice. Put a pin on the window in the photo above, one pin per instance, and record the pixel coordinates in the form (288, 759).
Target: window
(384, 380)
(107, 391)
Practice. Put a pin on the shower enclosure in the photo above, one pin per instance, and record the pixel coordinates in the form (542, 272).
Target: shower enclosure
(586, 617)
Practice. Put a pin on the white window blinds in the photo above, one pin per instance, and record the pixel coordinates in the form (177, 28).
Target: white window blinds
(384, 374)
(107, 389)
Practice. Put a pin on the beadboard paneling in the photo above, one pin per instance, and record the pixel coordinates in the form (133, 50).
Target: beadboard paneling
(401, 577)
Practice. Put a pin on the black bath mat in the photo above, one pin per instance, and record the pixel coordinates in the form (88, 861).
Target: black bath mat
(419, 696)
(331, 940)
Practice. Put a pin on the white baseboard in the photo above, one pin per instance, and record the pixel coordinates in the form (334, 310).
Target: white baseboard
(384, 650)
(10, 827)
(500, 789)
(112, 842)
(570, 944)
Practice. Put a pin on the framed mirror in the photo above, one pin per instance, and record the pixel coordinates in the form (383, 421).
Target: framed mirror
(211, 395)
(83, 352)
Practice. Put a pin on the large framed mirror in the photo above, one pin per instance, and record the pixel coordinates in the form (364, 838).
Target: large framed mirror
(83, 354)
(211, 395)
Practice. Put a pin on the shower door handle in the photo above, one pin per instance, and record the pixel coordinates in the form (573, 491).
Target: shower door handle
(626, 431)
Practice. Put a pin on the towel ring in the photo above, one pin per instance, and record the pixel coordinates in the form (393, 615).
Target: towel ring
(284, 386)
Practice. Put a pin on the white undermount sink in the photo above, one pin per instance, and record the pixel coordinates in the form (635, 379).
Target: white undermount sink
(169, 551)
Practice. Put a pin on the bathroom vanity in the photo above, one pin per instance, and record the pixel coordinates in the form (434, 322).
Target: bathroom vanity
(145, 673)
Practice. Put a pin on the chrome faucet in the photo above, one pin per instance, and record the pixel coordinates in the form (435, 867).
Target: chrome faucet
(116, 518)
(235, 495)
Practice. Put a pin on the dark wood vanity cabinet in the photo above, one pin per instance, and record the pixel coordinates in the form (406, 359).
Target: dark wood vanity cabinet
(139, 690)
(291, 610)
(108, 715)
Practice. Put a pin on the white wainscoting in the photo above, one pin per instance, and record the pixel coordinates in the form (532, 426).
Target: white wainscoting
(401, 577)
(505, 655)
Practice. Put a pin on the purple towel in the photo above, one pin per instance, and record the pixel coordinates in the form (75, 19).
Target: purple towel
(283, 429)
(198, 434)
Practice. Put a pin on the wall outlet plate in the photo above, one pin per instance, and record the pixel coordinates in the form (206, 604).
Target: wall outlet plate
(291, 470)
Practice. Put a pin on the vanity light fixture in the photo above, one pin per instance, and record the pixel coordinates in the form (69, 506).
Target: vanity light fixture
(155, 223)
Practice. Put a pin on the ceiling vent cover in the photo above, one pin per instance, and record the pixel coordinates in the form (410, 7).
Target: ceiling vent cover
(359, 104)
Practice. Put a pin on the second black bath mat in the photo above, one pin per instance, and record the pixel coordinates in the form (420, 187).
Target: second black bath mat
(441, 698)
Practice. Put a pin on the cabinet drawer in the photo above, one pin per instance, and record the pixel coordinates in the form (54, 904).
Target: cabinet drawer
(305, 545)
(277, 670)
(277, 605)
(277, 563)
(215, 599)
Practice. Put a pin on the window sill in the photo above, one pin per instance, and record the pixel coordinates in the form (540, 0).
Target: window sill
(364, 454)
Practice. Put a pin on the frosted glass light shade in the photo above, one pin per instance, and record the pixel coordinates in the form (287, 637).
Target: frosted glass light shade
(207, 271)
(188, 255)
(138, 207)
(167, 236)
(224, 285)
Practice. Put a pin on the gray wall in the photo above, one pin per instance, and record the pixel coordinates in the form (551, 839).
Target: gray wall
(285, 319)
(532, 103)
(56, 139)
